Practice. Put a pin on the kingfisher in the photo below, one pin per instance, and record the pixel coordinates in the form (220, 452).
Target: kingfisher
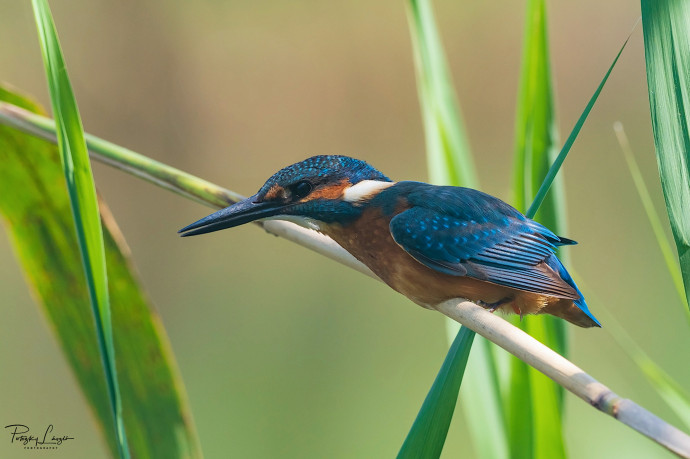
(430, 243)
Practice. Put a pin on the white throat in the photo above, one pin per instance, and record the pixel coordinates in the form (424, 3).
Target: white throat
(365, 189)
(304, 222)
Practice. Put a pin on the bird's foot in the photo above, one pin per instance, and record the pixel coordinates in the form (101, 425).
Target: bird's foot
(493, 306)
(518, 311)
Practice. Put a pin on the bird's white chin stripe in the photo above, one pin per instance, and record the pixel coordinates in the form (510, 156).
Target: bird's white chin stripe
(304, 222)
(364, 189)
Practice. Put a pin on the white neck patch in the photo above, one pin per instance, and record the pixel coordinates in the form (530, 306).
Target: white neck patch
(304, 222)
(365, 189)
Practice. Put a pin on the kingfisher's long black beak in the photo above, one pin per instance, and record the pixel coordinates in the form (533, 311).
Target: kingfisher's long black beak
(237, 214)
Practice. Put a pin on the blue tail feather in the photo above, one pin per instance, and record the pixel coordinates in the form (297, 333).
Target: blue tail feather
(557, 266)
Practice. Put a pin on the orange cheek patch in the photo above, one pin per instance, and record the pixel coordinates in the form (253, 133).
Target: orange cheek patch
(328, 192)
(275, 192)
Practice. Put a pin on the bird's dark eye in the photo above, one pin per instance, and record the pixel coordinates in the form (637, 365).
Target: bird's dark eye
(301, 189)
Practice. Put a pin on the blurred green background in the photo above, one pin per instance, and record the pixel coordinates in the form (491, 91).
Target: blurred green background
(284, 353)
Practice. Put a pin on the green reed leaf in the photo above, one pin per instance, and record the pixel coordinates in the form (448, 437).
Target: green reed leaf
(450, 163)
(82, 193)
(39, 222)
(535, 403)
(428, 433)
(448, 153)
(667, 56)
(556, 166)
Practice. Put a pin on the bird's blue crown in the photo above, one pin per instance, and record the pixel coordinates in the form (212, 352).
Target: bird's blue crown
(306, 184)
(324, 168)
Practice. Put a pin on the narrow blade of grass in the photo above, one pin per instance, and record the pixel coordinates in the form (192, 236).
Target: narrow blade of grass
(653, 217)
(675, 396)
(556, 166)
(39, 222)
(667, 58)
(450, 163)
(534, 408)
(673, 393)
(82, 193)
(428, 433)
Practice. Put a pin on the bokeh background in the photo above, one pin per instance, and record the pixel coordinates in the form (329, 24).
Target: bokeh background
(284, 353)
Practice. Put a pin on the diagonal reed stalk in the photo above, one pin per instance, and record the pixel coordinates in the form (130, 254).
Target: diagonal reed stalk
(494, 328)
(674, 394)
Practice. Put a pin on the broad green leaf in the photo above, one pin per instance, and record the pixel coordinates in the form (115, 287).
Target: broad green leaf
(534, 402)
(450, 163)
(39, 222)
(666, 27)
(429, 430)
(82, 192)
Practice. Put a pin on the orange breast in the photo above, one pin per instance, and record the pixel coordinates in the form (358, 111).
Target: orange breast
(370, 241)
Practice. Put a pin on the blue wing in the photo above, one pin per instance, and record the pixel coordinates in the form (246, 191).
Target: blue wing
(464, 232)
